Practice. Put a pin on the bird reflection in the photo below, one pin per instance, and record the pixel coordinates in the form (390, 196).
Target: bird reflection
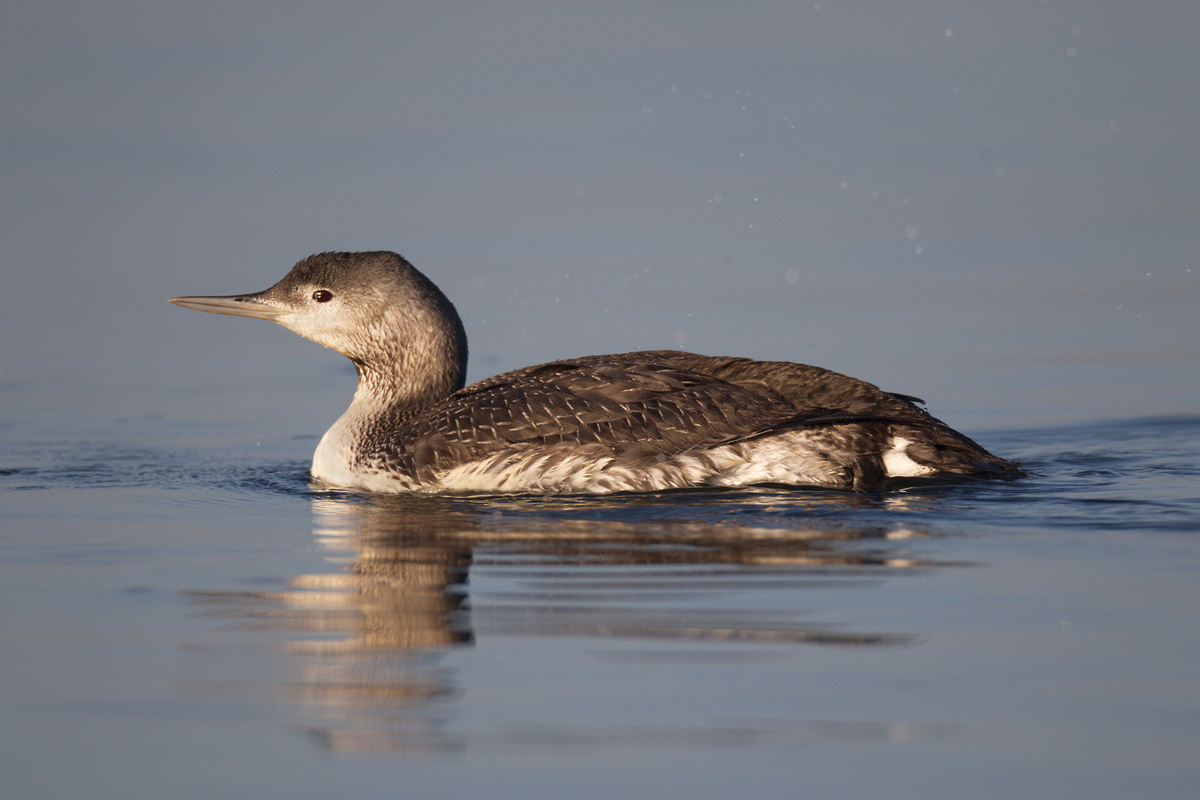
(368, 638)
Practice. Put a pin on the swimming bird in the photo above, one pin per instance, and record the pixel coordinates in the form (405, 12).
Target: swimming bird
(644, 421)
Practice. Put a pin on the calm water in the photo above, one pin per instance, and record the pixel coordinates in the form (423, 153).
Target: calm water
(988, 205)
(195, 621)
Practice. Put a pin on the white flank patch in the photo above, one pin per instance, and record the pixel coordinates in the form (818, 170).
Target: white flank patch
(897, 464)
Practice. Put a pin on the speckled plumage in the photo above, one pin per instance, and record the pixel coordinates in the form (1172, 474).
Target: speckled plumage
(641, 421)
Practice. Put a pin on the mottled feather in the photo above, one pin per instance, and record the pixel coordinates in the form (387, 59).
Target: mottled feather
(627, 422)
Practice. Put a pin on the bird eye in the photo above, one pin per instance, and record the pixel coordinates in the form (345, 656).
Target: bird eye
(322, 295)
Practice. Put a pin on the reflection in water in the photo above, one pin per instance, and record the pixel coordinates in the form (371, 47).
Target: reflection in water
(367, 640)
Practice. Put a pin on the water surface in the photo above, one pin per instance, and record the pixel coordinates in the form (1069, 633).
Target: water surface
(991, 206)
(204, 622)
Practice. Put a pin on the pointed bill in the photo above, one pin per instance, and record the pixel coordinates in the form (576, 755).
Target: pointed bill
(239, 305)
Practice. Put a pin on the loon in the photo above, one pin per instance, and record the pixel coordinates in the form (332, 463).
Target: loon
(630, 422)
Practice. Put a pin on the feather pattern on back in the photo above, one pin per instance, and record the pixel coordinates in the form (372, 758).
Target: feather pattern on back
(627, 422)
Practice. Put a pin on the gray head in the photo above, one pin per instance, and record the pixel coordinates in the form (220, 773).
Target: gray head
(374, 308)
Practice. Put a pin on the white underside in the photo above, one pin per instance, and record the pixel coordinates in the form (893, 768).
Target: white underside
(786, 459)
(333, 462)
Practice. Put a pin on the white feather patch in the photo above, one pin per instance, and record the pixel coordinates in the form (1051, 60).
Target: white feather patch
(898, 464)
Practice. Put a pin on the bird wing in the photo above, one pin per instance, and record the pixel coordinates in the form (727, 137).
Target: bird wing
(613, 404)
(645, 404)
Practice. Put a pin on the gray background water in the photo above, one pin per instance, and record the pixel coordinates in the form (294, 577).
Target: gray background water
(992, 206)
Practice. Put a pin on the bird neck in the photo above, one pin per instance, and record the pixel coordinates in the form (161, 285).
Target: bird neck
(387, 398)
(397, 391)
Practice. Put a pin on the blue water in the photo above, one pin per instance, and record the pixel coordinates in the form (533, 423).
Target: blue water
(989, 205)
(197, 620)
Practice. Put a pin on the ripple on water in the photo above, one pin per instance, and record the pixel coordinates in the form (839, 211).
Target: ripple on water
(1117, 474)
(713, 577)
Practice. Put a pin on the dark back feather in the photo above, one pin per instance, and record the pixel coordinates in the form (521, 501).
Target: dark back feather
(632, 405)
